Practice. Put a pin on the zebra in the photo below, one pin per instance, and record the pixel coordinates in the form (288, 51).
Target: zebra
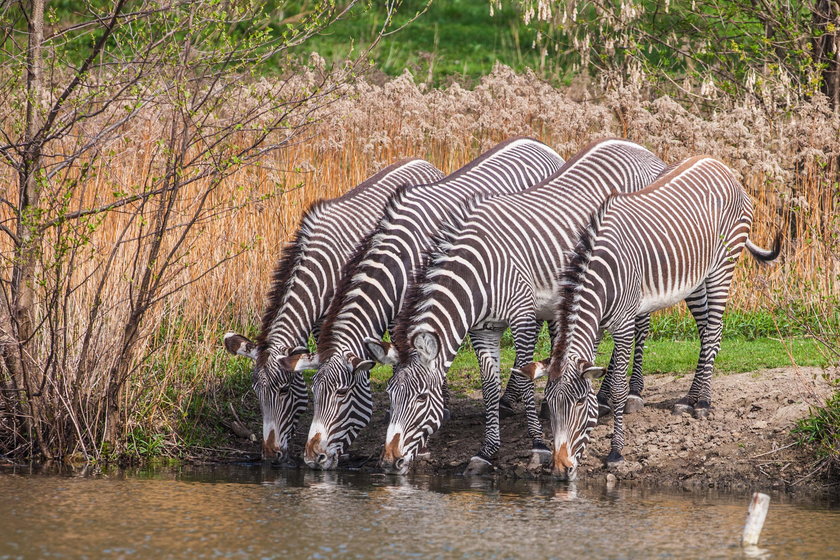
(375, 281)
(302, 286)
(498, 268)
(678, 238)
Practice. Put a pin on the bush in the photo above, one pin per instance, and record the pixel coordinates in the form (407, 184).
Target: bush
(822, 430)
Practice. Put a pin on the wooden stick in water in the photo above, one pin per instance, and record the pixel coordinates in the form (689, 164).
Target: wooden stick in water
(755, 519)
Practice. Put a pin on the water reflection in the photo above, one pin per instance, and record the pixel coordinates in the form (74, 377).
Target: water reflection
(254, 510)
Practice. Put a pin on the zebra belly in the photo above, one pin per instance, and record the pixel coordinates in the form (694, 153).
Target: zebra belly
(545, 304)
(655, 301)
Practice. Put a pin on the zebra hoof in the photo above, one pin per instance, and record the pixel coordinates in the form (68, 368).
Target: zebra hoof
(540, 457)
(634, 403)
(614, 459)
(681, 408)
(478, 466)
(506, 410)
(603, 409)
(702, 410)
(545, 413)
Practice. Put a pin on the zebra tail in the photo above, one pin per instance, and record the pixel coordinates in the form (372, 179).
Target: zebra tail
(766, 255)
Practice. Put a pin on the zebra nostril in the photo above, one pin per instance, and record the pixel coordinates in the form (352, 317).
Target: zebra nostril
(398, 464)
(322, 458)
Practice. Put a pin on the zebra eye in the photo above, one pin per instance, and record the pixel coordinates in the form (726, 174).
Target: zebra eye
(422, 397)
(582, 400)
(283, 390)
(342, 391)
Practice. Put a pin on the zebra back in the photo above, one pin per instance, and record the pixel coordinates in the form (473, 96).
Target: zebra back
(375, 279)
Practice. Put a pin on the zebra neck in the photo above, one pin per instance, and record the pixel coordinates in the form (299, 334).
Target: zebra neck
(354, 344)
(293, 324)
(283, 342)
(587, 318)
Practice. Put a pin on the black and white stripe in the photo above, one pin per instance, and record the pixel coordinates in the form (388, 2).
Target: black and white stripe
(302, 287)
(498, 269)
(679, 238)
(376, 281)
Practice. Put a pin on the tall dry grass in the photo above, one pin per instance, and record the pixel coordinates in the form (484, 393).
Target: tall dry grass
(788, 163)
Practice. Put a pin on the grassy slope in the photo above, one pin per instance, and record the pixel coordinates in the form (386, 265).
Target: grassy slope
(454, 40)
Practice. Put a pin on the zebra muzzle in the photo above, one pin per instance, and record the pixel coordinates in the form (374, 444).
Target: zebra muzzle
(564, 464)
(393, 461)
(314, 453)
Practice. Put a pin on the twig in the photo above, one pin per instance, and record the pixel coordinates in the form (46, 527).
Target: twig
(773, 451)
(820, 466)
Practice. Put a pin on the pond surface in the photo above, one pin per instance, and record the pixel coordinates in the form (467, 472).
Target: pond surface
(254, 511)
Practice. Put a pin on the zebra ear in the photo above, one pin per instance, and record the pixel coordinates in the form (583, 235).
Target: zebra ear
(589, 370)
(382, 352)
(238, 345)
(365, 366)
(300, 362)
(533, 370)
(427, 346)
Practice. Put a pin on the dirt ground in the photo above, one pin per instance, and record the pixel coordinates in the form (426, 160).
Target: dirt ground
(745, 442)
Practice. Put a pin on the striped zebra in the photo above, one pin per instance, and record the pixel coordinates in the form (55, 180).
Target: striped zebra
(302, 287)
(678, 238)
(497, 269)
(375, 281)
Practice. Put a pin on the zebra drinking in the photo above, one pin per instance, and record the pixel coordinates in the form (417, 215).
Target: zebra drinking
(302, 287)
(376, 279)
(678, 238)
(497, 268)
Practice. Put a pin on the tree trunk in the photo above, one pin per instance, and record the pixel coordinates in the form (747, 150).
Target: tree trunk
(826, 18)
(24, 368)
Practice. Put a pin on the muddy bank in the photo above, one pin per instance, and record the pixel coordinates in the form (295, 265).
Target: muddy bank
(745, 442)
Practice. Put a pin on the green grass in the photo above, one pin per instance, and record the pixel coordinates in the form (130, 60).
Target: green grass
(751, 341)
(454, 40)
(737, 355)
(822, 430)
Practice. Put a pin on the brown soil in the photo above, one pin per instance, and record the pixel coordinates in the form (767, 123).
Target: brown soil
(745, 442)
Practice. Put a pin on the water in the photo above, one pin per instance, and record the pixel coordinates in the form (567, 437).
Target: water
(253, 511)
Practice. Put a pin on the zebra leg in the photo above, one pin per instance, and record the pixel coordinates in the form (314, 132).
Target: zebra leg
(517, 386)
(635, 402)
(486, 344)
(525, 333)
(619, 388)
(698, 305)
(604, 405)
(717, 294)
(553, 328)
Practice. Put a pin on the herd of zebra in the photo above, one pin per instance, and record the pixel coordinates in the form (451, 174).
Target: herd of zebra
(515, 238)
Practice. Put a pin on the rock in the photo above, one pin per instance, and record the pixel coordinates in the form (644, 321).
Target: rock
(611, 480)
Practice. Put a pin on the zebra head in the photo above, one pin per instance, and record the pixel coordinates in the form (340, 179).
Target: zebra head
(343, 406)
(573, 409)
(417, 407)
(280, 389)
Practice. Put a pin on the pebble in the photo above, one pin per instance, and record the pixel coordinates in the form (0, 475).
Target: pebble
(611, 480)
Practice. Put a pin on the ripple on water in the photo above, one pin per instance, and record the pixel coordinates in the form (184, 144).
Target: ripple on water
(257, 512)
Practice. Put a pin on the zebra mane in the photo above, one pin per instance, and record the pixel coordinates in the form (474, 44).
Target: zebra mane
(348, 279)
(571, 280)
(436, 255)
(287, 267)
